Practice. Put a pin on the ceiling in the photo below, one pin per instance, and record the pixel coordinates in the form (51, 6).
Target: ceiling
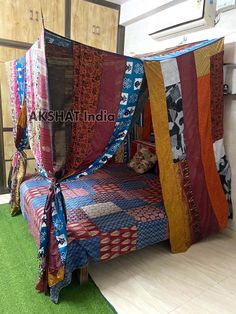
(118, 1)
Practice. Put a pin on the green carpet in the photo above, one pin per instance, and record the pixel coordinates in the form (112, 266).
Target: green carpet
(18, 274)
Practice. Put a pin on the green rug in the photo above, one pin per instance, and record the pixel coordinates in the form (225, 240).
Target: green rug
(18, 274)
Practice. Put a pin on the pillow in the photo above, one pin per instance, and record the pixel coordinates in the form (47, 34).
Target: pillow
(142, 161)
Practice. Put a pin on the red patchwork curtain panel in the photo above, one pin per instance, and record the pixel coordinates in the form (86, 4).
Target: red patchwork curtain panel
(186, 95)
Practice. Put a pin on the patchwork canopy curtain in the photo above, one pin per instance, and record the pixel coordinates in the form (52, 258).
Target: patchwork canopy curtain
(16, 72)
(186, 95)
(80, 102)
(75, 105)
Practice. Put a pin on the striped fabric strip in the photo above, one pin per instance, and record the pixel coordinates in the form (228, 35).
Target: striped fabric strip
(216, 193)
(187, 71)
(174, 202)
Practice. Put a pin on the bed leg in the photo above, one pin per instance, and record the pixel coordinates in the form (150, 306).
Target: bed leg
(82, 274)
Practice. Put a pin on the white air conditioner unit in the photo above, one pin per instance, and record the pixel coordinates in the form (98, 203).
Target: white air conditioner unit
(202, 12)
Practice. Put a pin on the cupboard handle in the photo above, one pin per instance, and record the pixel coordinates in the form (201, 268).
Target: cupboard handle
(94, 29)
(98, 30)
(37, 16)
(31, 15)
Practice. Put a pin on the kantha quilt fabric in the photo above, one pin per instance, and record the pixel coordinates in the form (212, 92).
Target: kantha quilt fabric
(186, 95)
(18, 161)
(79, 102)
(110, 212)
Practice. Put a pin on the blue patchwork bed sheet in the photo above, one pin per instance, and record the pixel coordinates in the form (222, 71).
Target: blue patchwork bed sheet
(110, 212)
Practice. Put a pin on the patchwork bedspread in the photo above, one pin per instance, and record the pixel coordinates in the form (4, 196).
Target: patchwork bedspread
(109, 213)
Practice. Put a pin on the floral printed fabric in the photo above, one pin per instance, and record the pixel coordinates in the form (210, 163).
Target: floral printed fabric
(142, 161)
(53, 215)
(18, 161)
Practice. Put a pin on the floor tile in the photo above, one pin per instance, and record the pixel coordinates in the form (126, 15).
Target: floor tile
(153, 280)
(216, 300)
(4, 198)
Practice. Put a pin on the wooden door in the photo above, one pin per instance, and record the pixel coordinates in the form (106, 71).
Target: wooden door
(20, 20)
(94, 25)
(7, 147)
(54, 15)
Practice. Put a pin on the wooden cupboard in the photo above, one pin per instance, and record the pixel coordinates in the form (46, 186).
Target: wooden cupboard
(91, 24)
(94, 25)
(20, 20)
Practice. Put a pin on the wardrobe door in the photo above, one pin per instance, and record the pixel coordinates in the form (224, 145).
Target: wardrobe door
(15, 20)
(20, 20)
(7, 147)
(94, 25)
(54, 15)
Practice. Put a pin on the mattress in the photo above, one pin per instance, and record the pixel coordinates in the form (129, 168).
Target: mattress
(110, 212)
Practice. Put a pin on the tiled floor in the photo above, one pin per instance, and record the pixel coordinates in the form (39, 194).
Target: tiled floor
(152, 280)
(4, 198)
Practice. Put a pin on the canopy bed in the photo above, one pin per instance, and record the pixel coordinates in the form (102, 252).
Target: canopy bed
(82, 206)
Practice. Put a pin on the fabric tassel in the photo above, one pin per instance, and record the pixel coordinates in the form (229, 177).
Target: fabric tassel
(16, 175)
(21, 124)
(53, 240)
(19, 161)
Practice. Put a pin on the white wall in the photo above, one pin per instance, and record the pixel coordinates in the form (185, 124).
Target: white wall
(137, 41)
(134, 10)
(230, 145)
